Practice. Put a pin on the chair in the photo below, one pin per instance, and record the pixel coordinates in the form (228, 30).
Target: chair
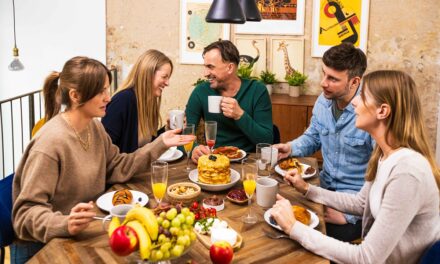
(276, 134)
(432, 254)
(6, 230)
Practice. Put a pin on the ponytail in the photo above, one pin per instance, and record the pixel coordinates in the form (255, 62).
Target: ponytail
(51, 92)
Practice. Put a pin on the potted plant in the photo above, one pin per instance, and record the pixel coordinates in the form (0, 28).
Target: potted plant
(244, 72)
(199, 81)
(269, 79)
(295, 81)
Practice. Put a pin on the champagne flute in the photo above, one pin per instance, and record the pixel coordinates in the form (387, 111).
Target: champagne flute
(159, 179)
(249, 176)
(210, 134)
(188, 129)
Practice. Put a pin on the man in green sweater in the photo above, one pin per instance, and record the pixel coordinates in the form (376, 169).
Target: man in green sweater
(246, 109)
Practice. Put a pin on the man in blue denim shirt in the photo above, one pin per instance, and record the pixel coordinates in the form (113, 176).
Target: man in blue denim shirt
(345, 149)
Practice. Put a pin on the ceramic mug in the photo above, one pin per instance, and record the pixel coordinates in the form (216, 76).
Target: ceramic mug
(176, 118)
(214, 104)
(267, 189)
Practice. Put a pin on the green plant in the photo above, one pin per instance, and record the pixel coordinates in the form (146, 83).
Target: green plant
(199, 81)
(268, 77)
(296, 79)
(244, 72)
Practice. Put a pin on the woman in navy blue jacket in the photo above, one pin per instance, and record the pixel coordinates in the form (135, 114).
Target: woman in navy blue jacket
(133, 116)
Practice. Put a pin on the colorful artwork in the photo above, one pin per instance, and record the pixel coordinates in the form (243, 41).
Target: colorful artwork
(195, 33)
(287, 56)
(278, 9)
(252, 52)
(337, 21)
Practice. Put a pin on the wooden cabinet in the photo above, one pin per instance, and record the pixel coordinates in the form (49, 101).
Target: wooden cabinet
(292, 115)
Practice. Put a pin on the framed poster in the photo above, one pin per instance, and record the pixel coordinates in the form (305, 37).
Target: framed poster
(337, 21)
(195, 33)
(279, 17)
(287, 55)
(252, 50)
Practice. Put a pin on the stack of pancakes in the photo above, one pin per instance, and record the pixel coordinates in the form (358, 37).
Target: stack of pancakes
(214, 169)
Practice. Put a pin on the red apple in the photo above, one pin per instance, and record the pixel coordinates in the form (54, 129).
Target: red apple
(123, 240)
(221, 252)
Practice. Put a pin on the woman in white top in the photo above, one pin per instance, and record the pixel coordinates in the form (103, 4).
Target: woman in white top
(399, 201)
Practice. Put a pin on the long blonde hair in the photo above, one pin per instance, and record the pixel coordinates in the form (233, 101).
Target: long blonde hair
(405, 123)
(141, 79)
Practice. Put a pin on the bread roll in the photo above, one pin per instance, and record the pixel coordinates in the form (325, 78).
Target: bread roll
(123, 196)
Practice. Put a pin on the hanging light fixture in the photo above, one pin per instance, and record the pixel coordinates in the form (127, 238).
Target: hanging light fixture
(250, 10)
(225, 11)
(16, 64)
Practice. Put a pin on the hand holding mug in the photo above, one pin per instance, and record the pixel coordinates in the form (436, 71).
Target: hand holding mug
(284, 150)
(231, 108)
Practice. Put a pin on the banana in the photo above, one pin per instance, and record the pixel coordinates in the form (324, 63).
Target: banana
(115, 223)
(143, 238)
(146, 217)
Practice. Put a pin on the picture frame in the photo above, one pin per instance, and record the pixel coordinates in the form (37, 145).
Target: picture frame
(286, 54)
(339, 21)
(279, 26)
(252, 47)
(195, 33)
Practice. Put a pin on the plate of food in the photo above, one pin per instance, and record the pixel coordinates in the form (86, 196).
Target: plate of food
(194, 177)
(108, 200)
(233, 153)
(302, 215)
(291, 163)
(210, 230)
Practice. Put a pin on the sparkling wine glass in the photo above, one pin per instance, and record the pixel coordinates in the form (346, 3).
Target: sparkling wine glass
(188, 129)
(249, 176)
(159, 179)
(210, 133)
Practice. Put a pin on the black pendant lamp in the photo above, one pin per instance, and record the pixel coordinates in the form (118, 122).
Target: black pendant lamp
(225, 11)
(250, 10)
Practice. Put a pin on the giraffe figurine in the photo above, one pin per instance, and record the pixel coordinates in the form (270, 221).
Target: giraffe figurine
(287, 66)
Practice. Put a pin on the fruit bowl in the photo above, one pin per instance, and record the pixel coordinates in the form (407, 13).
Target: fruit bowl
(136, 258)
(183, 192)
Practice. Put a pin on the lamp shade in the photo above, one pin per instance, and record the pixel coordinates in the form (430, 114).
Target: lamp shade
(225, 11)
(250, 10)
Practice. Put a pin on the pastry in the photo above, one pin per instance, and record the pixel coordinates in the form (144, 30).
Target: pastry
(214, 169)
(301, 214)
(123, 196)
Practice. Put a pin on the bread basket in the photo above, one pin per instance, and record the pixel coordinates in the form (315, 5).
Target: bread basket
(176, 192)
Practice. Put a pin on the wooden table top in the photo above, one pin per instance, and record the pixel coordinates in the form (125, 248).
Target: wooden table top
(91, 246)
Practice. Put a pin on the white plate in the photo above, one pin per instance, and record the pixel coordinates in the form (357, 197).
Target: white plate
(168, 154)
(313, 217)
(194, 177)
(105, 201)
(243, 154)
(304, 168)
(177, 155)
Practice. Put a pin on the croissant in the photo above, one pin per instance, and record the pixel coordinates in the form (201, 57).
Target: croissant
(123, 196)
(301, 214)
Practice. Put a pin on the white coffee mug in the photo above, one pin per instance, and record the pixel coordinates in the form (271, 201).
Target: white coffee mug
(119, 211)
(265, 154)
(267, 189)
(214, 104)
(176, 118)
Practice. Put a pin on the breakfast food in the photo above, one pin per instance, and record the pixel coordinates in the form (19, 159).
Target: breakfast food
(301, 214)
(183, 190)
(310, 170)
(229, 151)
(214, 202)
(123, 196)
(290, 164)
(237, 196)
(214, 169)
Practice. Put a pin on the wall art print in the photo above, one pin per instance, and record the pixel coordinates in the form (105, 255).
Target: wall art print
(252, 51)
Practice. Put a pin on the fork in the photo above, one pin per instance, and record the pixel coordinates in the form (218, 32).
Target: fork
(275, 235)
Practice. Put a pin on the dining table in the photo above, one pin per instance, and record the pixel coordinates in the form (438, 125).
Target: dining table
(92, 244)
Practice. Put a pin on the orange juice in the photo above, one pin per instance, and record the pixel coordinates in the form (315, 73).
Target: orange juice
(249, 187)
(188, 147)
(159, 190)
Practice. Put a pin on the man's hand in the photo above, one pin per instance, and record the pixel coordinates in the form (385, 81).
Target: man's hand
(199, 151)
(284, 150)
(79, 218)
(231, 108)
(334, 217)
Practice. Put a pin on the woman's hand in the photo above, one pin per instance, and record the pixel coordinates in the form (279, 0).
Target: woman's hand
(282, 213)
(172, 138)
(199, 151)
(295, 179)
(79, 218)
(284, 150)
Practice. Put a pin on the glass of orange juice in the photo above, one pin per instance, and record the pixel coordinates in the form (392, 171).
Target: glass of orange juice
(159, 179)
(249, 177)
(188, 129)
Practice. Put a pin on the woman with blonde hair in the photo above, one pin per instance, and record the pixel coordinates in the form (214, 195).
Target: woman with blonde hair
(399, 201)
(69, 162)
(133, 116)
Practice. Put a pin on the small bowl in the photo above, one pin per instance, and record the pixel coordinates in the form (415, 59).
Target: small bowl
(217, 207)
(184, 197)
(235, 200)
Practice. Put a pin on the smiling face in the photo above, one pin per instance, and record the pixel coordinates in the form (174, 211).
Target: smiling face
(161, 79)
(96, 106)
(366, 111)
(216, 71)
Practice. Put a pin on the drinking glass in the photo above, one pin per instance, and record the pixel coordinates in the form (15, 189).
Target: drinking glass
(188, 129)
(159, 179)
(264, 159)
(210, 133)
(249, 176)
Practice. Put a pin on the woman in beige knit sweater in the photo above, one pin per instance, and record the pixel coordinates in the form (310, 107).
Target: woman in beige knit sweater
(71, 159)
(400, 199)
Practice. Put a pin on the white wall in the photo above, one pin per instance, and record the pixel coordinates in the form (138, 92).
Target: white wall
(49, 32)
